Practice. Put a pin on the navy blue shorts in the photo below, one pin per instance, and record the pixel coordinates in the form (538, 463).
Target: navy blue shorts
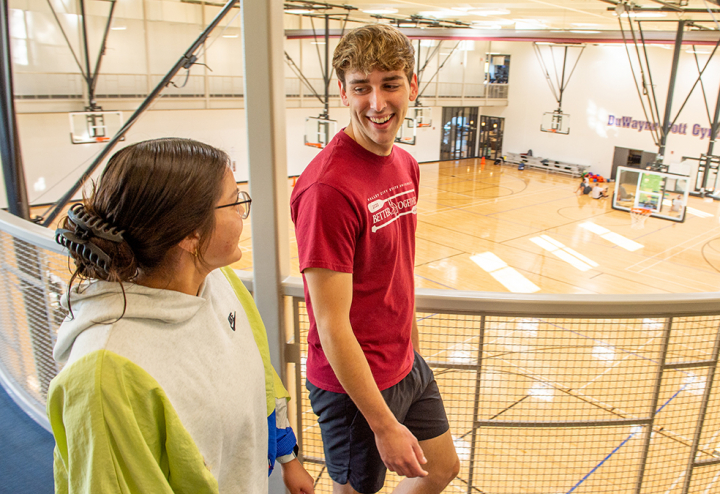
(350, 451)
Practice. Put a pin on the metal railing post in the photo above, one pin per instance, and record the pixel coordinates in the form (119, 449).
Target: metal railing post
(653, 403)
(298, 371)
(476, 405)
(703, 412)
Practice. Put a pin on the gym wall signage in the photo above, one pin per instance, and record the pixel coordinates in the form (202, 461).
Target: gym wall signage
(625, 122)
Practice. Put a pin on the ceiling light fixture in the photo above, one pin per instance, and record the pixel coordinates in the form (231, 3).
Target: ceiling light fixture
(443, 14)
(298, 11)
(501, 22)
(528, 25)
(381, 11)
(642, 14)
(487, 12)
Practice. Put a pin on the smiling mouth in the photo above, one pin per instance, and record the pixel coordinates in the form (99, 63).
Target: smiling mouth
(381, 120)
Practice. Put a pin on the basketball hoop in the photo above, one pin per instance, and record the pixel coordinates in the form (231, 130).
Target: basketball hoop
(94, 127)
(407, 132)
(319, 131)
(639, 217)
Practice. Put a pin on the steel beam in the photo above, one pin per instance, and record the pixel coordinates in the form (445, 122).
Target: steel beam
(9, 137)
(714, 127)
(671, 90)
(327, 66)
(29, 260)
(94, 78)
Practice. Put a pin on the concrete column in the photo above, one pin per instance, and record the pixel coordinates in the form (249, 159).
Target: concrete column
(263, 38)
(262, 32)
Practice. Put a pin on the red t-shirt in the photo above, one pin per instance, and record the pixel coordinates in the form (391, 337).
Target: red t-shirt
(356, 212)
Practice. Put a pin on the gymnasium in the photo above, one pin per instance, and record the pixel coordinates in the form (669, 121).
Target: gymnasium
(575, 339)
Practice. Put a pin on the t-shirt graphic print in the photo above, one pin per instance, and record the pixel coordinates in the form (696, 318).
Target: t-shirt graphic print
(385, 210)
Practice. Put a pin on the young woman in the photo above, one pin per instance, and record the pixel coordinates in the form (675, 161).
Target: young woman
(584, 187)
(167, 385)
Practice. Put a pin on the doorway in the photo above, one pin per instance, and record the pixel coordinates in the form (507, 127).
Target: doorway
(633, 158)
(491, 136)
(497, 68)
(459, 135)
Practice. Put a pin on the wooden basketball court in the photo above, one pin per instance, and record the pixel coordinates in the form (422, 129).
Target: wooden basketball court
(499, 212)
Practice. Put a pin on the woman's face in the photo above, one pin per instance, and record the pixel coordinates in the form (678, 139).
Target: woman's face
(223, 248)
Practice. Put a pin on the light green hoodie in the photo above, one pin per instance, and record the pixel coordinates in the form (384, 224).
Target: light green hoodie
(170, 397)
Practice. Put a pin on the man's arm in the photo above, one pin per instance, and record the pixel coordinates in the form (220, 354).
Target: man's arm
(331, 296)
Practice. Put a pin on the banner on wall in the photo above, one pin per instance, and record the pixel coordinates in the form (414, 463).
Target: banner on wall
(631, 123)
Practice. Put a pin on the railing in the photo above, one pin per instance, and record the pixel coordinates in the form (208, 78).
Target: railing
(48, 86)
(544, 393)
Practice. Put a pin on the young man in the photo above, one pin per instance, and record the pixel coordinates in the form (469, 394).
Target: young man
(677, 204)
(355, 215)
(598, 192)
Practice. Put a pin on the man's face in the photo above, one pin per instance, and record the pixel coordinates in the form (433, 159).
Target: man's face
(378, 104)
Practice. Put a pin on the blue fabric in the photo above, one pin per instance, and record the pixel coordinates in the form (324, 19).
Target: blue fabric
(281, 442)
(272, 442)
(26, 451)
(285, 441)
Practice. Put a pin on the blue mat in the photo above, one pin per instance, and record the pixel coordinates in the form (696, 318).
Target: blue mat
(26, 452)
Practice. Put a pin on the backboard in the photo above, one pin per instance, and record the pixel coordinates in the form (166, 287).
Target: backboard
(422, 115)
(319, 131)
(555, 122)
(407, 132)
(94, 127)
(664, 194)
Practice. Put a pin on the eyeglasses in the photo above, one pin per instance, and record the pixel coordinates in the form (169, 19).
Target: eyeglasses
(243, 199)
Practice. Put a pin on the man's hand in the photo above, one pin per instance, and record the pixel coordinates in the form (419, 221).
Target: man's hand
(296, 478)
(400, 451)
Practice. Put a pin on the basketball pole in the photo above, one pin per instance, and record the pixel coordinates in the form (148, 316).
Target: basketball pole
(671, 90)
(9, 139)
(92, 77)
(29, 265)
(713, 134)
(326, 113)
(186, 61)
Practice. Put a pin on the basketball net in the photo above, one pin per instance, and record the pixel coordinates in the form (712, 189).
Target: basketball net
(639, 217)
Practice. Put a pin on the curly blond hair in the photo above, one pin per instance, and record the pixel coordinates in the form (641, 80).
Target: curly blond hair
(371, 47)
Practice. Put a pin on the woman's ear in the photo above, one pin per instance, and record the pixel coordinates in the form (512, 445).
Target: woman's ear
(190, 244)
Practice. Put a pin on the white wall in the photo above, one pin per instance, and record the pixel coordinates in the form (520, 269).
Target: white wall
(52, 164)
(601, 86)
(157, 32)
